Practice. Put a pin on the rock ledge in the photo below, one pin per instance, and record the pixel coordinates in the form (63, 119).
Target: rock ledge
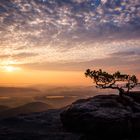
(102, 115)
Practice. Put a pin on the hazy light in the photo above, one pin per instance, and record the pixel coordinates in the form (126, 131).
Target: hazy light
(11, 68)
(55, 97)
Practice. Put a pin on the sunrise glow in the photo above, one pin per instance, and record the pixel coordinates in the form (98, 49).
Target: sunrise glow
(67, 37)
(11, 68)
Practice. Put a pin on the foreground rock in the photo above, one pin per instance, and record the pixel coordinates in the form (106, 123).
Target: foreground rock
(103, 115)
(36, 126)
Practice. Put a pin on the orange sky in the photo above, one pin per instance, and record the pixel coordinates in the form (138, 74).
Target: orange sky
(31, 77)
(21, 77)
(45, 42)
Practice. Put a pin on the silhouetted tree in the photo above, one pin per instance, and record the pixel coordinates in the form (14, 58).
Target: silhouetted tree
(116, 80)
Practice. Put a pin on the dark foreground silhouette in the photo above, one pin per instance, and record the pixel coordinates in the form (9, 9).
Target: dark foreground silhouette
(105, 80)
(23, 109)
(107, 116)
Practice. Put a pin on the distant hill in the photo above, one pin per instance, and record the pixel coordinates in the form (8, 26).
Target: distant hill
(4, 90)
(3, 108)
(25, 109)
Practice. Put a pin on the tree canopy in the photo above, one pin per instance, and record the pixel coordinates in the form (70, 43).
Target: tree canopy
(117, 80)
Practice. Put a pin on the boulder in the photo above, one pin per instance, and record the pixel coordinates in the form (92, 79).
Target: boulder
(102, 115)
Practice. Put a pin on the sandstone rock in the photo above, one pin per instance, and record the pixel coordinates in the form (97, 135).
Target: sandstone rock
(103, 115)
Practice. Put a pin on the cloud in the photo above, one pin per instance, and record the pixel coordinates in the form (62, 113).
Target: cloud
(38, 17)
(68, 30)
(18, 56)
(130, 63)
(24, 55)
(127, 53)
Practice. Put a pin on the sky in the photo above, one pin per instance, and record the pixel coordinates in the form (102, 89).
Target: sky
(55, 41)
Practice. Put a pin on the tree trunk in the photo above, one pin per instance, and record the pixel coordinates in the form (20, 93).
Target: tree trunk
(121, 91)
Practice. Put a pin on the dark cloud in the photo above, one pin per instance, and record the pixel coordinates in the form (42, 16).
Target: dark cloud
(126, 53)
(4, 56)
(24, 55)
(18, 56)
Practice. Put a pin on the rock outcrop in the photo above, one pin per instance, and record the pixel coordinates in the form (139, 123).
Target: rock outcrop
(103, 115)
(95, 118)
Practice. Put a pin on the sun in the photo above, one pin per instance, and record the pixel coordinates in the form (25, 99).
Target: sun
(11, 68)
